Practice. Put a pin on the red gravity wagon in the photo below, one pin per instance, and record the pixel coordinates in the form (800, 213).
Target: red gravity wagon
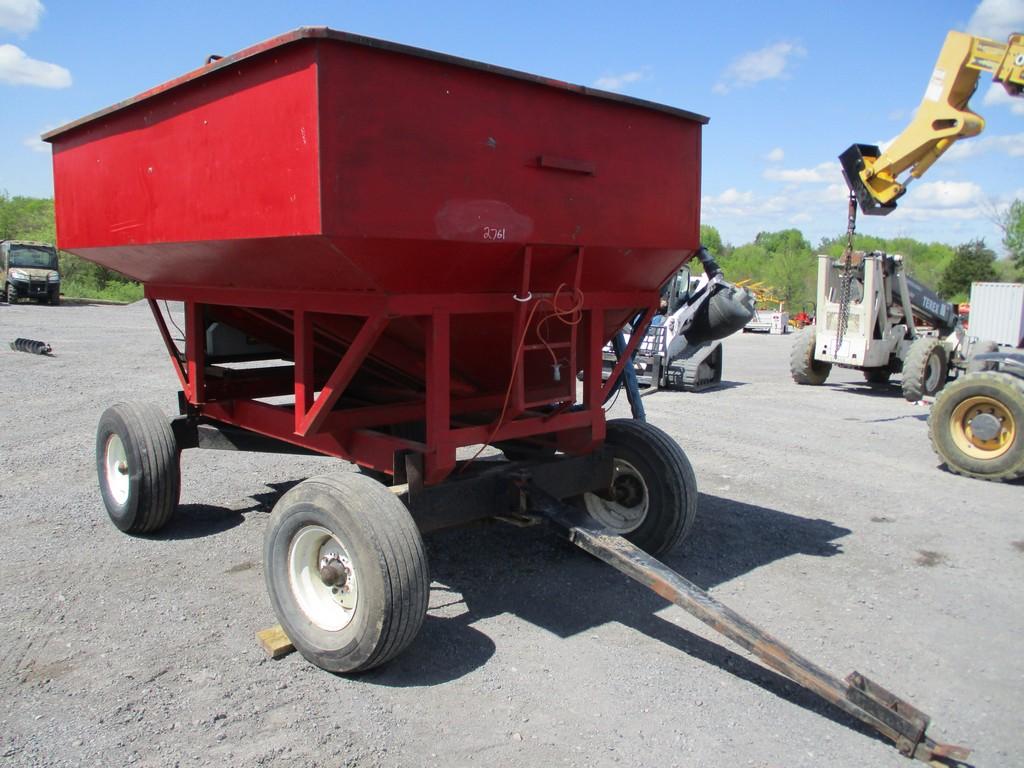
(387, 255)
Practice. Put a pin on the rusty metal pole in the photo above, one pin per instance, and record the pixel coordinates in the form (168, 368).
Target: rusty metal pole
(858, 696)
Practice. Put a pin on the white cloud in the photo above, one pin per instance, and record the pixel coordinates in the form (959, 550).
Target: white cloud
(944, 195)
(18, 69)
(35, 143)
(20, 16)
(1011, 145)
(997, 19)
(768, 63)
(776, 155)
(619, 82)
(823, 172)
(996, 95)
(731, 196)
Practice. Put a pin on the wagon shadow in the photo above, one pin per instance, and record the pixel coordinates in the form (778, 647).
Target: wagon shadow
(194, 521)
(549, 583)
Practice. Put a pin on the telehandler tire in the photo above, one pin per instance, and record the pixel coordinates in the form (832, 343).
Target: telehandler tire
(925, 370)
(802, 365)
(977, 426)
(876, 375)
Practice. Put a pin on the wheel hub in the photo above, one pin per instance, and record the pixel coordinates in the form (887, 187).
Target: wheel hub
(982, 427)
(333, 572)
(985, 426)
(623, 508)
(322, 578)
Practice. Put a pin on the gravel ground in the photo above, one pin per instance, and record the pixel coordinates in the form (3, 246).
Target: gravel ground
(823, 517)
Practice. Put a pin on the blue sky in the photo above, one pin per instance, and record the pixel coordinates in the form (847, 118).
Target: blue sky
(788, 85)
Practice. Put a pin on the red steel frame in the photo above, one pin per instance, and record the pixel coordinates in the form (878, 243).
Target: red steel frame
(355, 434)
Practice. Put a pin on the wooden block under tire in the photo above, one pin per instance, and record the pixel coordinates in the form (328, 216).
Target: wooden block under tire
(275, 642)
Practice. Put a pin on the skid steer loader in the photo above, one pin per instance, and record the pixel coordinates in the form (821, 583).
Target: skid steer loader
(680, 349)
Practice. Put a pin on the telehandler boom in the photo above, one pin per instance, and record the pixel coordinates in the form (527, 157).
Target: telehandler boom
(942, 118)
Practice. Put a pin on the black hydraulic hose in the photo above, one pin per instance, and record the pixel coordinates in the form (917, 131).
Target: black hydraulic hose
(711, 268)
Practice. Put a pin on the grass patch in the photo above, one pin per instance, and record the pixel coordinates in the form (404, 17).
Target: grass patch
(116, 291)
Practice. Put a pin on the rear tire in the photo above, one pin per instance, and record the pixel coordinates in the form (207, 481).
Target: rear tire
(925, 370)
(802, 365)
(876, 375)
(653, 498)
(992, 403)
(137, 462)
(352, 524)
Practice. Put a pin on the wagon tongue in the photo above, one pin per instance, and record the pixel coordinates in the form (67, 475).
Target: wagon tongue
(891, 716)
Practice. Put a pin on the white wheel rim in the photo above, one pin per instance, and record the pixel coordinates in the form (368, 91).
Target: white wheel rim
(931, 380)
(115, 463)
(330, 607)
(627, 509)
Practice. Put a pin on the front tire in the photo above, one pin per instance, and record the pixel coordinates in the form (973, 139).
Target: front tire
(137, 462)
(12, 294)
(653, 497)
(877, 375)
(802, 366)
(346, 572)
(925, 370)
(976, 426)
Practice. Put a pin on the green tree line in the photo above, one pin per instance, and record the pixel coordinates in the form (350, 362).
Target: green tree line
(31, 218)
(785, 261)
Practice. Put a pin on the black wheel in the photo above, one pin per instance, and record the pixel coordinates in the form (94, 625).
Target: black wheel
(925, 369)
(12, 294)
(346, 571)
(876, 375)
(138, 467)
(982, 347)
(976, 426)
(55, 300)
(802, 366)
(653, 497)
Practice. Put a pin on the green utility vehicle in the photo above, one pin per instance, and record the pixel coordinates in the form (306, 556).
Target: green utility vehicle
(30, 271)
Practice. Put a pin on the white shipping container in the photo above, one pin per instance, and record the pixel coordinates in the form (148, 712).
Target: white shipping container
(997, 312)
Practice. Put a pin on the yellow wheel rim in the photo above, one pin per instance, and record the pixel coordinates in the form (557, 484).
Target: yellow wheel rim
(985, 445)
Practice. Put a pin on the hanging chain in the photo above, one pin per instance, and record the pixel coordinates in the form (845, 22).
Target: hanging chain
(846, 276)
